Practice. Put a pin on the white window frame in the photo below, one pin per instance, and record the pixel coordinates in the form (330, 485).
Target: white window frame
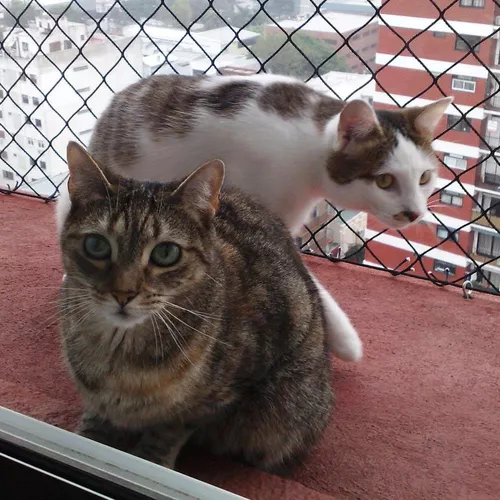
(452, 196)
(457, 162)
(461, 84)
(446, 233)
(100, 461)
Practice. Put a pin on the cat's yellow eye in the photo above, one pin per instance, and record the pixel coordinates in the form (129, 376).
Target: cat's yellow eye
(96, 247)
(425, 177)
(385, 181)
(165, 254)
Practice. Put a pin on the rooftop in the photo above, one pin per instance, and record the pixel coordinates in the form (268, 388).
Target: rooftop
(417, 418)
(329, 22)
(345, 85)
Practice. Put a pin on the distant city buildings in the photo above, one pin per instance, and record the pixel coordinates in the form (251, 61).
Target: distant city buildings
(334, 28)
(442, 47)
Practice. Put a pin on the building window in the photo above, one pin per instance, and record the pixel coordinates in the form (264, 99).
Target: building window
(4, 155)
(22, 76)
(464, 43)
(82, 37)
(31, 141)
(478, 4)
(37, 122)
(82, 90)
(457, 123)
(488, 245)
(455, 161)
(43, 165)
(450, 198)
(54, 46)
(1, 94)
(463, 83)
(67, 44)
(2, 134)
(33, 78)
(444, 233)
(7, 174)
(83, 111)
(24, 46)
(1, 114)
(438, 34)
(36, 101)
(490, 205)
(41, 144)
(32, 162)
(84, 132)
(25, 99)
(84, 67)
(444, 267)
(492, 171)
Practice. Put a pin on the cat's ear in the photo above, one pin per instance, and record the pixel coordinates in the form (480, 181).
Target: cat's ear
(357, 122)
(426, 118)
(87, 181)
(201, 190)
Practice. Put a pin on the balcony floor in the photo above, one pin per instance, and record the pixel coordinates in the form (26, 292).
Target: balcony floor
(416, 419)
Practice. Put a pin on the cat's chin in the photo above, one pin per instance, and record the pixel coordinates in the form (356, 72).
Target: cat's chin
(129, 320)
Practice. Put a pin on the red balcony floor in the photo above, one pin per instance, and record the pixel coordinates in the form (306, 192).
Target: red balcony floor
(417, 419)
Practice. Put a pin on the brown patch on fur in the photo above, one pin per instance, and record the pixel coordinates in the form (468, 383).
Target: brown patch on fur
(363, 159)
(285, 99)
(325, 109)
(230, 98)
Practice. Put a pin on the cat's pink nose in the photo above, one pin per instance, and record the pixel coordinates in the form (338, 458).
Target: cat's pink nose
(123, 298)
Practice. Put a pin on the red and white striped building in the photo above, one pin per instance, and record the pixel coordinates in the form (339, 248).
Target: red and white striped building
(435, 48)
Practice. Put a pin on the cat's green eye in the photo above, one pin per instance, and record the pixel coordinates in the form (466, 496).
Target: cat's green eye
(385, 181)
(425, 177)
(165, 254)
(97, 247)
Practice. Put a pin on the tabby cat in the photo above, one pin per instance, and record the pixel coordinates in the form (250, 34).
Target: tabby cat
(184, 316)
(282, 142)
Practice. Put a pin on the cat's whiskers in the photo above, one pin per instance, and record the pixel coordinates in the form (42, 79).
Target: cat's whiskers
(195, 329)
(212, 278)
(64, 311)
(169, 326)
(200, 314)
(159, 337)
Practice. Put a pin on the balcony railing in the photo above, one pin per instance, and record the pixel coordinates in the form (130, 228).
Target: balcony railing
(335, 50)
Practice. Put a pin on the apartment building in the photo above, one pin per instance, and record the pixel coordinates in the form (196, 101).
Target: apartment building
(51, 91)
(445, 67)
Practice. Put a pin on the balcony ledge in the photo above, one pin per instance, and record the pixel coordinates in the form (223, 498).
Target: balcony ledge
(417, 418)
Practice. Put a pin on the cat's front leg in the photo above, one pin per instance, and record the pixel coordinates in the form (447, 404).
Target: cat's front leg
(162, 443)
(94, 427)
(343, 338)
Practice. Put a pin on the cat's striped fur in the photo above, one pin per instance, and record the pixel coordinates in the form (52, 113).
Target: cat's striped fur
(226, 347)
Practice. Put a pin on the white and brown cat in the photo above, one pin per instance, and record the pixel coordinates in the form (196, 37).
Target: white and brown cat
(282, 142)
